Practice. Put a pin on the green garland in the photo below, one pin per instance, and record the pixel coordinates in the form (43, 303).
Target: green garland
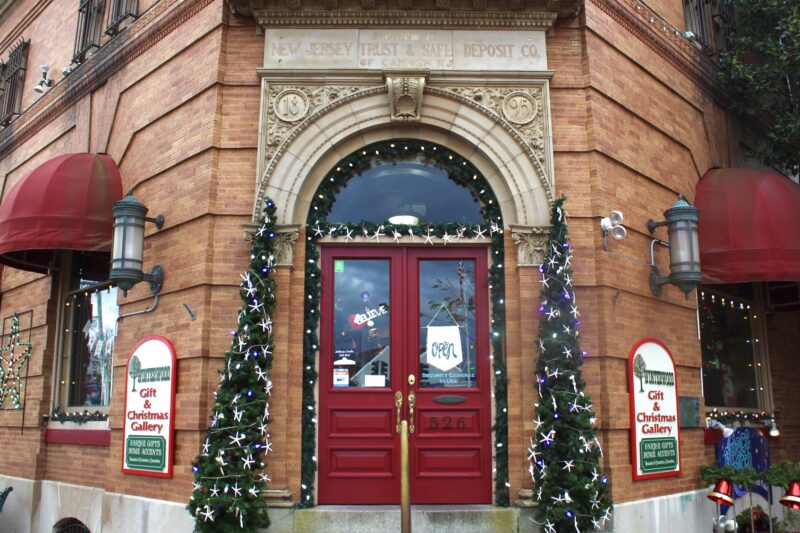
(229, 472)
(778, 475)
(463, 173)
(58, 415)
(725, 417)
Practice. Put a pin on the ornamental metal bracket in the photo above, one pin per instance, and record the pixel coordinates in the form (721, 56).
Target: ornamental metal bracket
(531, 244)
(405, 96)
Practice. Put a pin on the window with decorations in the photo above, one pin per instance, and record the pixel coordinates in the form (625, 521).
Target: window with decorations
(88, 316)
(733, 344)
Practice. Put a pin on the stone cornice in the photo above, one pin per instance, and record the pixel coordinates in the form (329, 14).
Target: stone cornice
(486, 9)
(144, 33)
(542, 20)
(645, 24)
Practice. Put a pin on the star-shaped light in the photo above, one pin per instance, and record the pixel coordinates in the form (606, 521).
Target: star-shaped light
(479, 232)
(569, 465)
(208, 514)
(428, 238)
(237, 439)
(543, 281)
(236, 490)
(397, 235)
(377, 236)
(446, 238)
(206, 446)
(547, 439)
(318, 232)
(266, 324)
(248, 461)
(256, 305)
(214, 492)
(237, 414)
(348, 235)
(263, 477)
(253, 490)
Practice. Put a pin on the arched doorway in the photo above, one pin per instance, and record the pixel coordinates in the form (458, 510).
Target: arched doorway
(404, 325)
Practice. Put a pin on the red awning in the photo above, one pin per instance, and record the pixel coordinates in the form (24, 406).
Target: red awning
(63, 204)
(749, 226)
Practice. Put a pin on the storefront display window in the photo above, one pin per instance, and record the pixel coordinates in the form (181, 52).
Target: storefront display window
(90, 315)
(730, 338)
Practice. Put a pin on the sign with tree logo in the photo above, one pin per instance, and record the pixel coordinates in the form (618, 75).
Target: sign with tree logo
(655, 446)
(150, 409)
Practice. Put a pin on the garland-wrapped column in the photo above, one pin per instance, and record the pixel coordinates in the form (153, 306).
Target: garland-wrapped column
(565, 454)
(229, 472)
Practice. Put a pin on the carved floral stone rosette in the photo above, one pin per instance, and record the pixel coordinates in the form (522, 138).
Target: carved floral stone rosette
(531, 243)
(522, 109)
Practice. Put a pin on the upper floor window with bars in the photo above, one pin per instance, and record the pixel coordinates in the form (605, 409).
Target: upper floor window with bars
(89, 33)
(708, 21)
(118, 12)
(12, 78)
(90, 28)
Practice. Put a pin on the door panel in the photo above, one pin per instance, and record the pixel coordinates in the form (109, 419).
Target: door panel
(388, 313)
(359, 452)
(451, 455)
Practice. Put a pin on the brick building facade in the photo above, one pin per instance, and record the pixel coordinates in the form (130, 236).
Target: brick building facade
(182, 99)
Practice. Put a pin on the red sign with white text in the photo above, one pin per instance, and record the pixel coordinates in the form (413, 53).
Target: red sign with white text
(149, 414)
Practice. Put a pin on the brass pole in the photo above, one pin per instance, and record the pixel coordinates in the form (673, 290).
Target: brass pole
(405, 493)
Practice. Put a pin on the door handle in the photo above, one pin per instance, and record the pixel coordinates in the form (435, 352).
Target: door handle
(412, 399)
(398, 404)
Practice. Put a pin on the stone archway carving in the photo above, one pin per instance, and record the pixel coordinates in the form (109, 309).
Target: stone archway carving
(308, 124)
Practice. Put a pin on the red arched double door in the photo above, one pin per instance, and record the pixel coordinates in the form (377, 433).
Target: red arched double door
(404, 336)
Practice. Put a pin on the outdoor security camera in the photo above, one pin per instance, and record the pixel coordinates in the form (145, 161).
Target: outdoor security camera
(67, 70)
(612, 224)
(45, 69)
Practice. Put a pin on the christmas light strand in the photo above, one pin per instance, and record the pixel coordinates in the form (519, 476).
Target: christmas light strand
(564, 453)
(228, 472)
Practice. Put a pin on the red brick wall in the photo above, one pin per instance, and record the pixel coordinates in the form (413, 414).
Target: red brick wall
(783, 338)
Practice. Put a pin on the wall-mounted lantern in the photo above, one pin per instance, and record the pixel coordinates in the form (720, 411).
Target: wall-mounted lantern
(128, 248)
(684, 248)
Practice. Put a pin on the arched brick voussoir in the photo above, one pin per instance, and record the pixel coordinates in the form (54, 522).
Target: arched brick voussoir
(317, 144)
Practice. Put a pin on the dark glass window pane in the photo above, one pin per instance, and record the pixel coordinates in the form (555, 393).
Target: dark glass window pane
(728, 344)
(361, 356)
(405, 188)
(447, 323)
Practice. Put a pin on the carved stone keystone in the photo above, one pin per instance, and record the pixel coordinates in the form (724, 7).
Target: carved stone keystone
(405, 97)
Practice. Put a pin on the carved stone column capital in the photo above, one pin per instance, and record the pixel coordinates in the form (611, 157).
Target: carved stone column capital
(405, 97)
(285, 238)
(531, 244)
